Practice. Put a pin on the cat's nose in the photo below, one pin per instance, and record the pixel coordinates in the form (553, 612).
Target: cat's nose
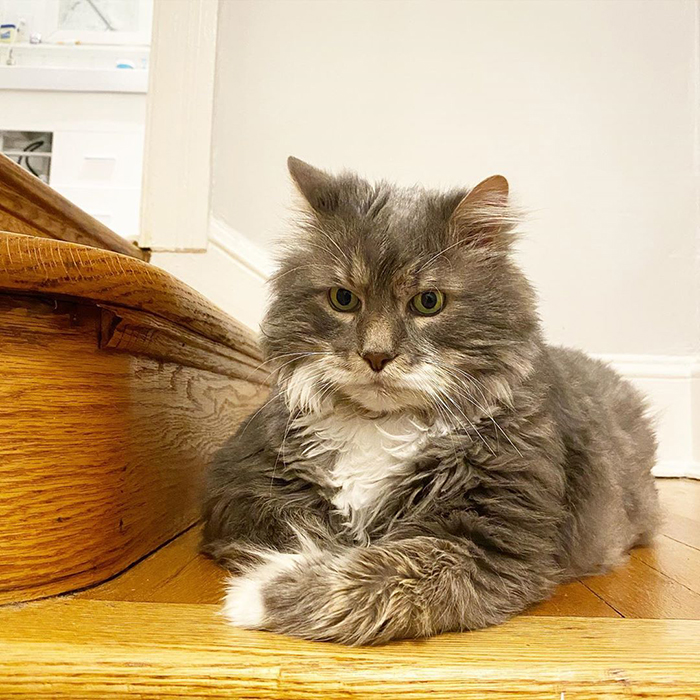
(377, 360)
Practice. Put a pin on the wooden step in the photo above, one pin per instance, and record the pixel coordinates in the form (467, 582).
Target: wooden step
(118, 384)
(91, 649)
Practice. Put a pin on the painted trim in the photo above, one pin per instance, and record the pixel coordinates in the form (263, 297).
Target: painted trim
(232, 272)
(241, 248)
(179, 115)
(655, 366)
(670, 469)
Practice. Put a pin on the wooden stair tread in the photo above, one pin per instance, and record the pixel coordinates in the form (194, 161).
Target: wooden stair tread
(98, 649)
(119, 385)
(176, 573)
(662, 582)
(55, 268)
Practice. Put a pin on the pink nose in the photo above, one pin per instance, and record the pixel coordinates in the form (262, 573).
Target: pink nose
(377, 360)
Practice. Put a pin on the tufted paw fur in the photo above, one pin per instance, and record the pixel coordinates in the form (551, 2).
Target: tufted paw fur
(244, 605)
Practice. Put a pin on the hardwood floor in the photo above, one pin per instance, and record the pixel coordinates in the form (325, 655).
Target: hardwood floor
(659, 582)
(155, 631)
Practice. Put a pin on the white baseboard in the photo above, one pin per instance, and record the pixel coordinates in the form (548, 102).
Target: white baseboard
(234, 270)
(670, 469)
(672, 385)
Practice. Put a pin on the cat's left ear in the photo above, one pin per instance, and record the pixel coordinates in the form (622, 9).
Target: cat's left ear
(483, 218)
(320, 189)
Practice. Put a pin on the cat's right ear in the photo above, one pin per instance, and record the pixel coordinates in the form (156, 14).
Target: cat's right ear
(317, 187)
(484, 218)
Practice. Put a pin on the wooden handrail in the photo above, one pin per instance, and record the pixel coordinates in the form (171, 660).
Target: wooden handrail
(31, 207)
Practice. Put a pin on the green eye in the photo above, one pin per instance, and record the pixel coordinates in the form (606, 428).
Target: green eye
(343, 299)
(428, 303)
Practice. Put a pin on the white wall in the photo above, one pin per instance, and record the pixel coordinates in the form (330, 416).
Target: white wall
(590, 109)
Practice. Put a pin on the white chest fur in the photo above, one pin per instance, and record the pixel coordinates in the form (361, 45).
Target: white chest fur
(370, 455)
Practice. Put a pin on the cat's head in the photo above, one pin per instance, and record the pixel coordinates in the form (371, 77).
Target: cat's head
(389, 298)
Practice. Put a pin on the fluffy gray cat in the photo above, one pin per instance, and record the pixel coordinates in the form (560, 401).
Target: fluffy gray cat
(426, 462)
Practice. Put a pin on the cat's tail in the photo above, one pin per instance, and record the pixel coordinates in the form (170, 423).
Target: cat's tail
(369, 595)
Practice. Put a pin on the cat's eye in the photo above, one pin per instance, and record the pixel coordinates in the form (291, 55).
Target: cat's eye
(428, 303)
(343, 299)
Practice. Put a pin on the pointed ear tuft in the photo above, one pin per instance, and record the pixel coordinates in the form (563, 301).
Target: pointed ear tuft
(494, 188)
(317, 187)
(483, 217)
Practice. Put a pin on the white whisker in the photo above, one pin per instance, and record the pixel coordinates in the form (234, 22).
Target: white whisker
(473, 426)
(486, 412)
(304, 353)
(437, 255)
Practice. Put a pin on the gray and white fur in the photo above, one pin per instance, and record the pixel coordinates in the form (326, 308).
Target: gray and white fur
(413, 474)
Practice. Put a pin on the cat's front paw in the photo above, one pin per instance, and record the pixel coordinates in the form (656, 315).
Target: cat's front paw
(314, 595)
(244, 605)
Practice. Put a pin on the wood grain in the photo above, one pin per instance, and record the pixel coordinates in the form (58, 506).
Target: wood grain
(139, 333)
(574, 600)
(139, 635)
(673, 559)
(102, 453)
(640, 591)
(680, 499)
(29, 206)
(42, 266)
(97, 649)
(176, 573)
(662, 581)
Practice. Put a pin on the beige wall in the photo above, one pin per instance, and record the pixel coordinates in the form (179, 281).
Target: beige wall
(589, 108)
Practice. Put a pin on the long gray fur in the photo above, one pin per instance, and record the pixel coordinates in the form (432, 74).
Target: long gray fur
(543, 476)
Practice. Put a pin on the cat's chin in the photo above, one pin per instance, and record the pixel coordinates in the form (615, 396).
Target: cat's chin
(375, 400)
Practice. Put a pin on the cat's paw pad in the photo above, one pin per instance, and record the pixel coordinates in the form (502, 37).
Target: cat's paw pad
(244, 605)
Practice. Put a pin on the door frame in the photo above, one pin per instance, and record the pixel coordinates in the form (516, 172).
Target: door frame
(175, 200)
